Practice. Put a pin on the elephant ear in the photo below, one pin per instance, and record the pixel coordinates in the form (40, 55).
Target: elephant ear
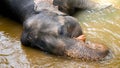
(44, 5)
(57, 2)
(37, 4)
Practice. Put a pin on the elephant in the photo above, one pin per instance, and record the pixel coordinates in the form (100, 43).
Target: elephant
(47, 25)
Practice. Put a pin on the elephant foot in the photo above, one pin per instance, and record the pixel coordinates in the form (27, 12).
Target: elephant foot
(82, 38)
(87, 50)
(97, 46)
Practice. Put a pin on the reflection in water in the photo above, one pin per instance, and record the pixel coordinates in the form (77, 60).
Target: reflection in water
(11, 54)
(99, 26)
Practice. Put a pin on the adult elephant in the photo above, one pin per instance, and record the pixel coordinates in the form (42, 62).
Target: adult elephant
(47, 26)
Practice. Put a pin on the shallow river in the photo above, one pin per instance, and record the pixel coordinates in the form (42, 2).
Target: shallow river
(99, 26)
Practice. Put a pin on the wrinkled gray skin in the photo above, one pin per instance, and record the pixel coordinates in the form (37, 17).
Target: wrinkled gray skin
(69, 6)
(51, 30)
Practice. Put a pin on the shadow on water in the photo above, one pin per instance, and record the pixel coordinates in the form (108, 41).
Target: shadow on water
(99, 26)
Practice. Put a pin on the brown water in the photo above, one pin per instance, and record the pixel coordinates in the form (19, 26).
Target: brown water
(99, 26)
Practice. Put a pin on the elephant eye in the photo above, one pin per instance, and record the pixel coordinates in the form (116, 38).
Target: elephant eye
(61, 30)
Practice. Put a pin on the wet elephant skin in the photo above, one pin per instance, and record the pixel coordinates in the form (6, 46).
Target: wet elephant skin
(52, 31)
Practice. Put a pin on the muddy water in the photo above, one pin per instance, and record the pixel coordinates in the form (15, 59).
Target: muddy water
(99, 26)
